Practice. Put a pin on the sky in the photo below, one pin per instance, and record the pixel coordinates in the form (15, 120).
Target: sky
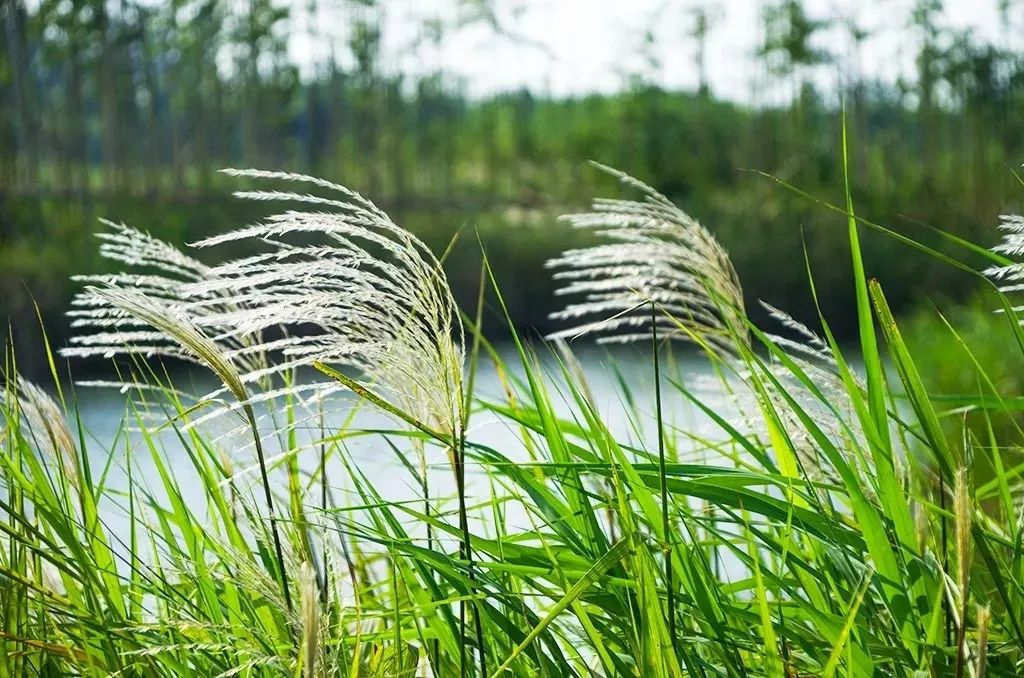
(571, 47)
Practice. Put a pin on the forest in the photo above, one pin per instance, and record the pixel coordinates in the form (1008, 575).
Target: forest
(127, 110)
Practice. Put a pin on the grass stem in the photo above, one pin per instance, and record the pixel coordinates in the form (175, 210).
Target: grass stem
(670, 604)
(269, 497)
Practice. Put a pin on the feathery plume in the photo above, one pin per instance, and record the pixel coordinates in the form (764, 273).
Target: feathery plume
(657, 255)
(984, 619)
(160, 273)
(371, 296)
(175, 327)
(310, 609)
(653, 252)
(45, 423)
(1009, 278)
(962, 535)
(808, 346)
(365, 294)
(962, 529)
(835, 413)
(1012, 245)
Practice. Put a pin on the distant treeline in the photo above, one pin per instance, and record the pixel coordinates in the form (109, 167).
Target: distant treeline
(126, 110)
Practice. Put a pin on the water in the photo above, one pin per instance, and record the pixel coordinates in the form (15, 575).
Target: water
(117, 446)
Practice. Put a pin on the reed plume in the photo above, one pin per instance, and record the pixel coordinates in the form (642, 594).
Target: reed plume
(309, 642)
(45, 423)
(659, 273)
(1012, 226)
(370, 296)
(962, 535)
(159, 273)
(335, 283)
(652, 252)
(984, 619)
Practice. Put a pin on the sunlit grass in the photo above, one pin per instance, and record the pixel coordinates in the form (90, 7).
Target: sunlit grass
(823, 524)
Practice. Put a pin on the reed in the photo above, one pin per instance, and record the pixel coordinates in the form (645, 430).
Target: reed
(790, 534)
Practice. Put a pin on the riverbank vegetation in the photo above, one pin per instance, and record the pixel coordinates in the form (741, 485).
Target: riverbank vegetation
(829, 519)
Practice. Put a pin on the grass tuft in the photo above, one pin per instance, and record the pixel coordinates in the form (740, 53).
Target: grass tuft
(779, 507)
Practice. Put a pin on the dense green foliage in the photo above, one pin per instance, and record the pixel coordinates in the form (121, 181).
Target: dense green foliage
(835, 530)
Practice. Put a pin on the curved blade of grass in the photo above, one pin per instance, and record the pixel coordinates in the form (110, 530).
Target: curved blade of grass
(602, 565)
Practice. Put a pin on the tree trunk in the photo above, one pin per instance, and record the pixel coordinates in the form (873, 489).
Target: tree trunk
(27, 134)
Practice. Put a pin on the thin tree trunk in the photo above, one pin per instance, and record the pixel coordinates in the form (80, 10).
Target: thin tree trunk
(27, 138)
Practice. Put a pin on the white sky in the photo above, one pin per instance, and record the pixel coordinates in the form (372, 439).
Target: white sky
(578, 46)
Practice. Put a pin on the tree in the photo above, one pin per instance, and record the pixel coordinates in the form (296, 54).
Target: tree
(703, 18)
(788, 44)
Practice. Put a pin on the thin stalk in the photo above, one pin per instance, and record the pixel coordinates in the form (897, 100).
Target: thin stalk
(460, 480)
(251, 416)
(670, 604)
(435, 645)
(945, 559)
(466, 551)
(323, 503)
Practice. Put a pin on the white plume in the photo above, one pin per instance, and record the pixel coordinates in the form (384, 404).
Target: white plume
(366, 293)
(345, 287)
(653, 251)
(1010, 277)
(160, 274)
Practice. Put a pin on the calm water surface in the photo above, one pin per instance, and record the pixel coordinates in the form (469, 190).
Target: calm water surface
(106, 413)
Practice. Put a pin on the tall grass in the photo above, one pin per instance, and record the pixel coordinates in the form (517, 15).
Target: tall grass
(824, 525)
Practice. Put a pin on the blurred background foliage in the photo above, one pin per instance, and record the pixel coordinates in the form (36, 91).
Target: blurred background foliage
(125, 109)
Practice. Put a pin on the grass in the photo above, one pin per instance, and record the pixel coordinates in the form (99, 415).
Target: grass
(833, 529)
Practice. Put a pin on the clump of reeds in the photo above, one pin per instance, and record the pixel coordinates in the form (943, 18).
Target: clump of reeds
(748, 562)
(366, 295)
(45, 423)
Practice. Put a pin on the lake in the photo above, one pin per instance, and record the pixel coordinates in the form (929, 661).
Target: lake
(103, 413)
